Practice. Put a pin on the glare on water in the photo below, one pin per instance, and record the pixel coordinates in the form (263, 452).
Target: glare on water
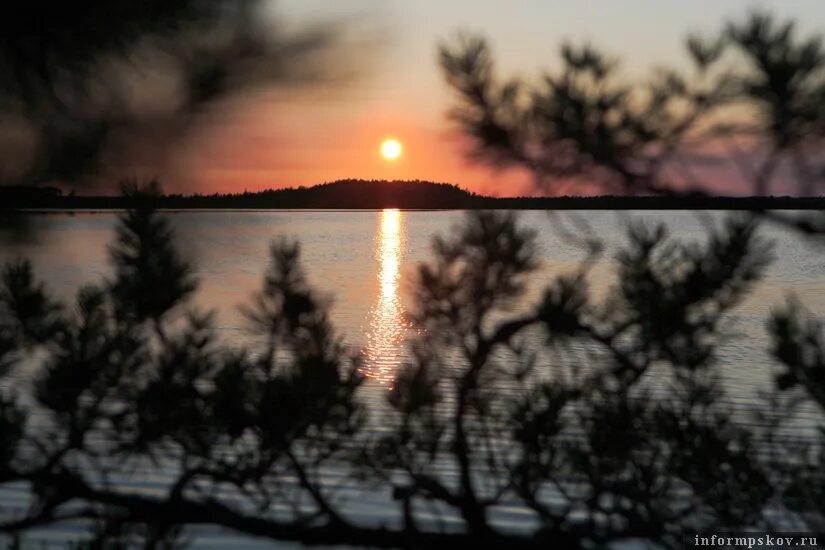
(385, 337)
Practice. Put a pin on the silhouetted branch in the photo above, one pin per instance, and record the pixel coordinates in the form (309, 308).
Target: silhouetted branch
(582, 124)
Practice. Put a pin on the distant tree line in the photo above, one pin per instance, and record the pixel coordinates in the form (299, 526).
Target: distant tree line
(421, 195)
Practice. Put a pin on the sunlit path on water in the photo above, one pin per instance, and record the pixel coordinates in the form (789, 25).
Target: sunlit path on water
(386, 332)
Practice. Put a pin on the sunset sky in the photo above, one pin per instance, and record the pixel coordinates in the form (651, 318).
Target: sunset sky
(302, 136)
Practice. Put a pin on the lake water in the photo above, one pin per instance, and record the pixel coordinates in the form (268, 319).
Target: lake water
(366, 260)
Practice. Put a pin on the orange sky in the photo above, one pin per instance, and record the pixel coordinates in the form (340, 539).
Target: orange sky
(305, 136)
(384, 82)
(297, 143)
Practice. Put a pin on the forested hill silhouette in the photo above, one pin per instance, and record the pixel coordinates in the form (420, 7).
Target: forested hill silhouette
(342, 194)
(376, 194)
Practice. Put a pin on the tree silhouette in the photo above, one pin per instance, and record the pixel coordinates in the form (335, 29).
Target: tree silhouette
(135, 364)
(584, 441)
(597, 419)
(578, 431)
(799, 345)
(752, 101)
(751, 105)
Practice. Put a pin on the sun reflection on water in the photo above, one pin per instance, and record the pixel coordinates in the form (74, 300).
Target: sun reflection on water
(385, 337)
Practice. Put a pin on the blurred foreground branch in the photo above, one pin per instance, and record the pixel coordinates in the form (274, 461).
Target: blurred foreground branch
(599, 420)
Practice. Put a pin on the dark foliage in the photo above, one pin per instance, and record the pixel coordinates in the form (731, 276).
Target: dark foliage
(409, 195)
(552, 410)
(750, 109)
(123, 365)
(583, 441)
(584, 122)
(601, 419)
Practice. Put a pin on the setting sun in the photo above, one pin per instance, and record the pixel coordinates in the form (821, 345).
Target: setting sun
(391, 149)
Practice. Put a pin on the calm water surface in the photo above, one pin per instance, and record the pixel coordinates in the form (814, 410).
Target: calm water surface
(365, 261)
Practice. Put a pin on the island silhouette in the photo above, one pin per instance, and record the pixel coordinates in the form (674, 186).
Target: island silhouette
(356, 194)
